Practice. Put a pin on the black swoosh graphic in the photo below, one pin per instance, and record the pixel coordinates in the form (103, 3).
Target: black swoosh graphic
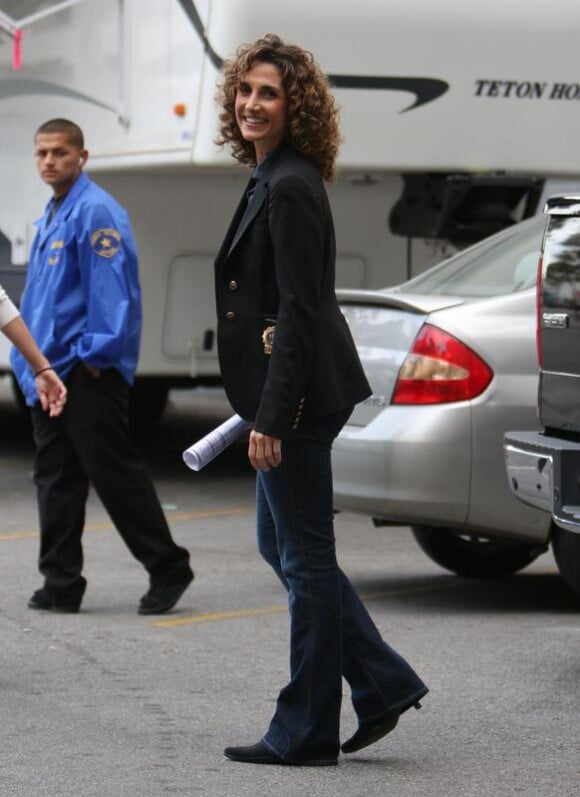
(425, 89)
(17, 87)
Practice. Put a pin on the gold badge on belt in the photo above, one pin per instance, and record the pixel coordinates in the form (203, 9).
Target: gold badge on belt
(268, 339)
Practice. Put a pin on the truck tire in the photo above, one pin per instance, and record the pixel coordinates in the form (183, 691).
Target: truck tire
(473, 555)
(566, 547)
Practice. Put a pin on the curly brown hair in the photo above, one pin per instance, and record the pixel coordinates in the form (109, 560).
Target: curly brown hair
(311, 109)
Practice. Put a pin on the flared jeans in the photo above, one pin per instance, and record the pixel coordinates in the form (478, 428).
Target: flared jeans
(331, 632)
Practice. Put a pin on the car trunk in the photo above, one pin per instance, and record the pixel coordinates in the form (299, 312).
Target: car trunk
(384, 326)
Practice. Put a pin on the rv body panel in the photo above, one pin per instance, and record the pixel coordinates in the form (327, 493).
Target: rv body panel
(454, 89)
(501, 91)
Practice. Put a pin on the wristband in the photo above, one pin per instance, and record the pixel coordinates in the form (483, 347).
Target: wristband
(42, 370)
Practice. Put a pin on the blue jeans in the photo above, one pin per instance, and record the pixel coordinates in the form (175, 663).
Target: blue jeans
(331, 632)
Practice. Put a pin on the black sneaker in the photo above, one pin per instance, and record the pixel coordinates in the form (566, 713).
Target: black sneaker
(162, 598)
(48, 602)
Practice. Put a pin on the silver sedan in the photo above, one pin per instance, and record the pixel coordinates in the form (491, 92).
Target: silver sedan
(451, 358)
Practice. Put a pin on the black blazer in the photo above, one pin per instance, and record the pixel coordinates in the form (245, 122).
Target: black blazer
(277, 266)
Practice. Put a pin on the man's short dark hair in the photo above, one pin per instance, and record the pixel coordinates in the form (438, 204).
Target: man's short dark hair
(71, 130)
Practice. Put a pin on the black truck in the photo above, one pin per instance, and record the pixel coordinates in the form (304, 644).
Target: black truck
(544, 467)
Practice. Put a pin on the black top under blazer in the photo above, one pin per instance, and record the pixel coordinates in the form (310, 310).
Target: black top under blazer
(277, 261)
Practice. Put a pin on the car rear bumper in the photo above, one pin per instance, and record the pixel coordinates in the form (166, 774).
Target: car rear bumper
(407, 466)
(544, 472)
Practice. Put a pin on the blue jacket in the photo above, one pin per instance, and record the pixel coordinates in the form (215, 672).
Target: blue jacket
(82, 299)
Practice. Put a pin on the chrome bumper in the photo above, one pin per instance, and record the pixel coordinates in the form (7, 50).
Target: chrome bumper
(544, 472)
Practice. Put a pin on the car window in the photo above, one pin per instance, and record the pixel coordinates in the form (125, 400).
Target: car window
(505, 263)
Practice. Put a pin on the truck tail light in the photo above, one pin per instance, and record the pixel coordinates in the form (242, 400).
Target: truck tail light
(539, 310)
(440, 369)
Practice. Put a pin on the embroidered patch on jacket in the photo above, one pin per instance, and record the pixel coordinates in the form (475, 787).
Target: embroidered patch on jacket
(106, 242)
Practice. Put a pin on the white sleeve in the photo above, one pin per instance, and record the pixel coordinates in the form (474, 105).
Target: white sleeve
(8, 311)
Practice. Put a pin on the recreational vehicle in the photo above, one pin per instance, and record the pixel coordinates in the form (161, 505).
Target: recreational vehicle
(455, 117)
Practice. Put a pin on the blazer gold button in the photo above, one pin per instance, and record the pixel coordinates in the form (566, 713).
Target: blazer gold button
(233, 285)
(230, 315)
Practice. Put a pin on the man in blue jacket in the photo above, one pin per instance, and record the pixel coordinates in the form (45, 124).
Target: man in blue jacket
(82, 303)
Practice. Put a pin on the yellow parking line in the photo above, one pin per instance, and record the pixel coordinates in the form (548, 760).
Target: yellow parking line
(235, 510)
(213, 616)
(447, 582)
(265, 610)
(172, 517)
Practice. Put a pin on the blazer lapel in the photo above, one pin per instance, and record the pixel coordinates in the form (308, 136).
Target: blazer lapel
(234, 224)
(247, 211)
(249, 215)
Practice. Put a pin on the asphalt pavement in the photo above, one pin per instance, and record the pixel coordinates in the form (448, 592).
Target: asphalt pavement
(107, 703)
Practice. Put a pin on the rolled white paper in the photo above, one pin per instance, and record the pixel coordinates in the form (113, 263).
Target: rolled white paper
(199, 454)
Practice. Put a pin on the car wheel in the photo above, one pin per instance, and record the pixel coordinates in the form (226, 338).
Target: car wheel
(473, 555)
(566, 546)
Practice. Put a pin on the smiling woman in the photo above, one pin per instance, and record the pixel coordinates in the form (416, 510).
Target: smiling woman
(261, 108)
(310, 108)
(290, 368)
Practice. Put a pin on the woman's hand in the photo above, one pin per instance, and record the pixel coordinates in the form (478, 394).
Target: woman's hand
(264, 452)
(51, 392)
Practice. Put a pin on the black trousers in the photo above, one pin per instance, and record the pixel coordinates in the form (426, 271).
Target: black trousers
(90, 443)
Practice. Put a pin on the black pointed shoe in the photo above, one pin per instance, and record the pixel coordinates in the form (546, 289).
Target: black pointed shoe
(162, 598)
(261, 754)
(370, 732)
(253, 754)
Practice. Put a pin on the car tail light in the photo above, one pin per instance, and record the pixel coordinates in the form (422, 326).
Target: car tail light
(439, 369)
(539, 310)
